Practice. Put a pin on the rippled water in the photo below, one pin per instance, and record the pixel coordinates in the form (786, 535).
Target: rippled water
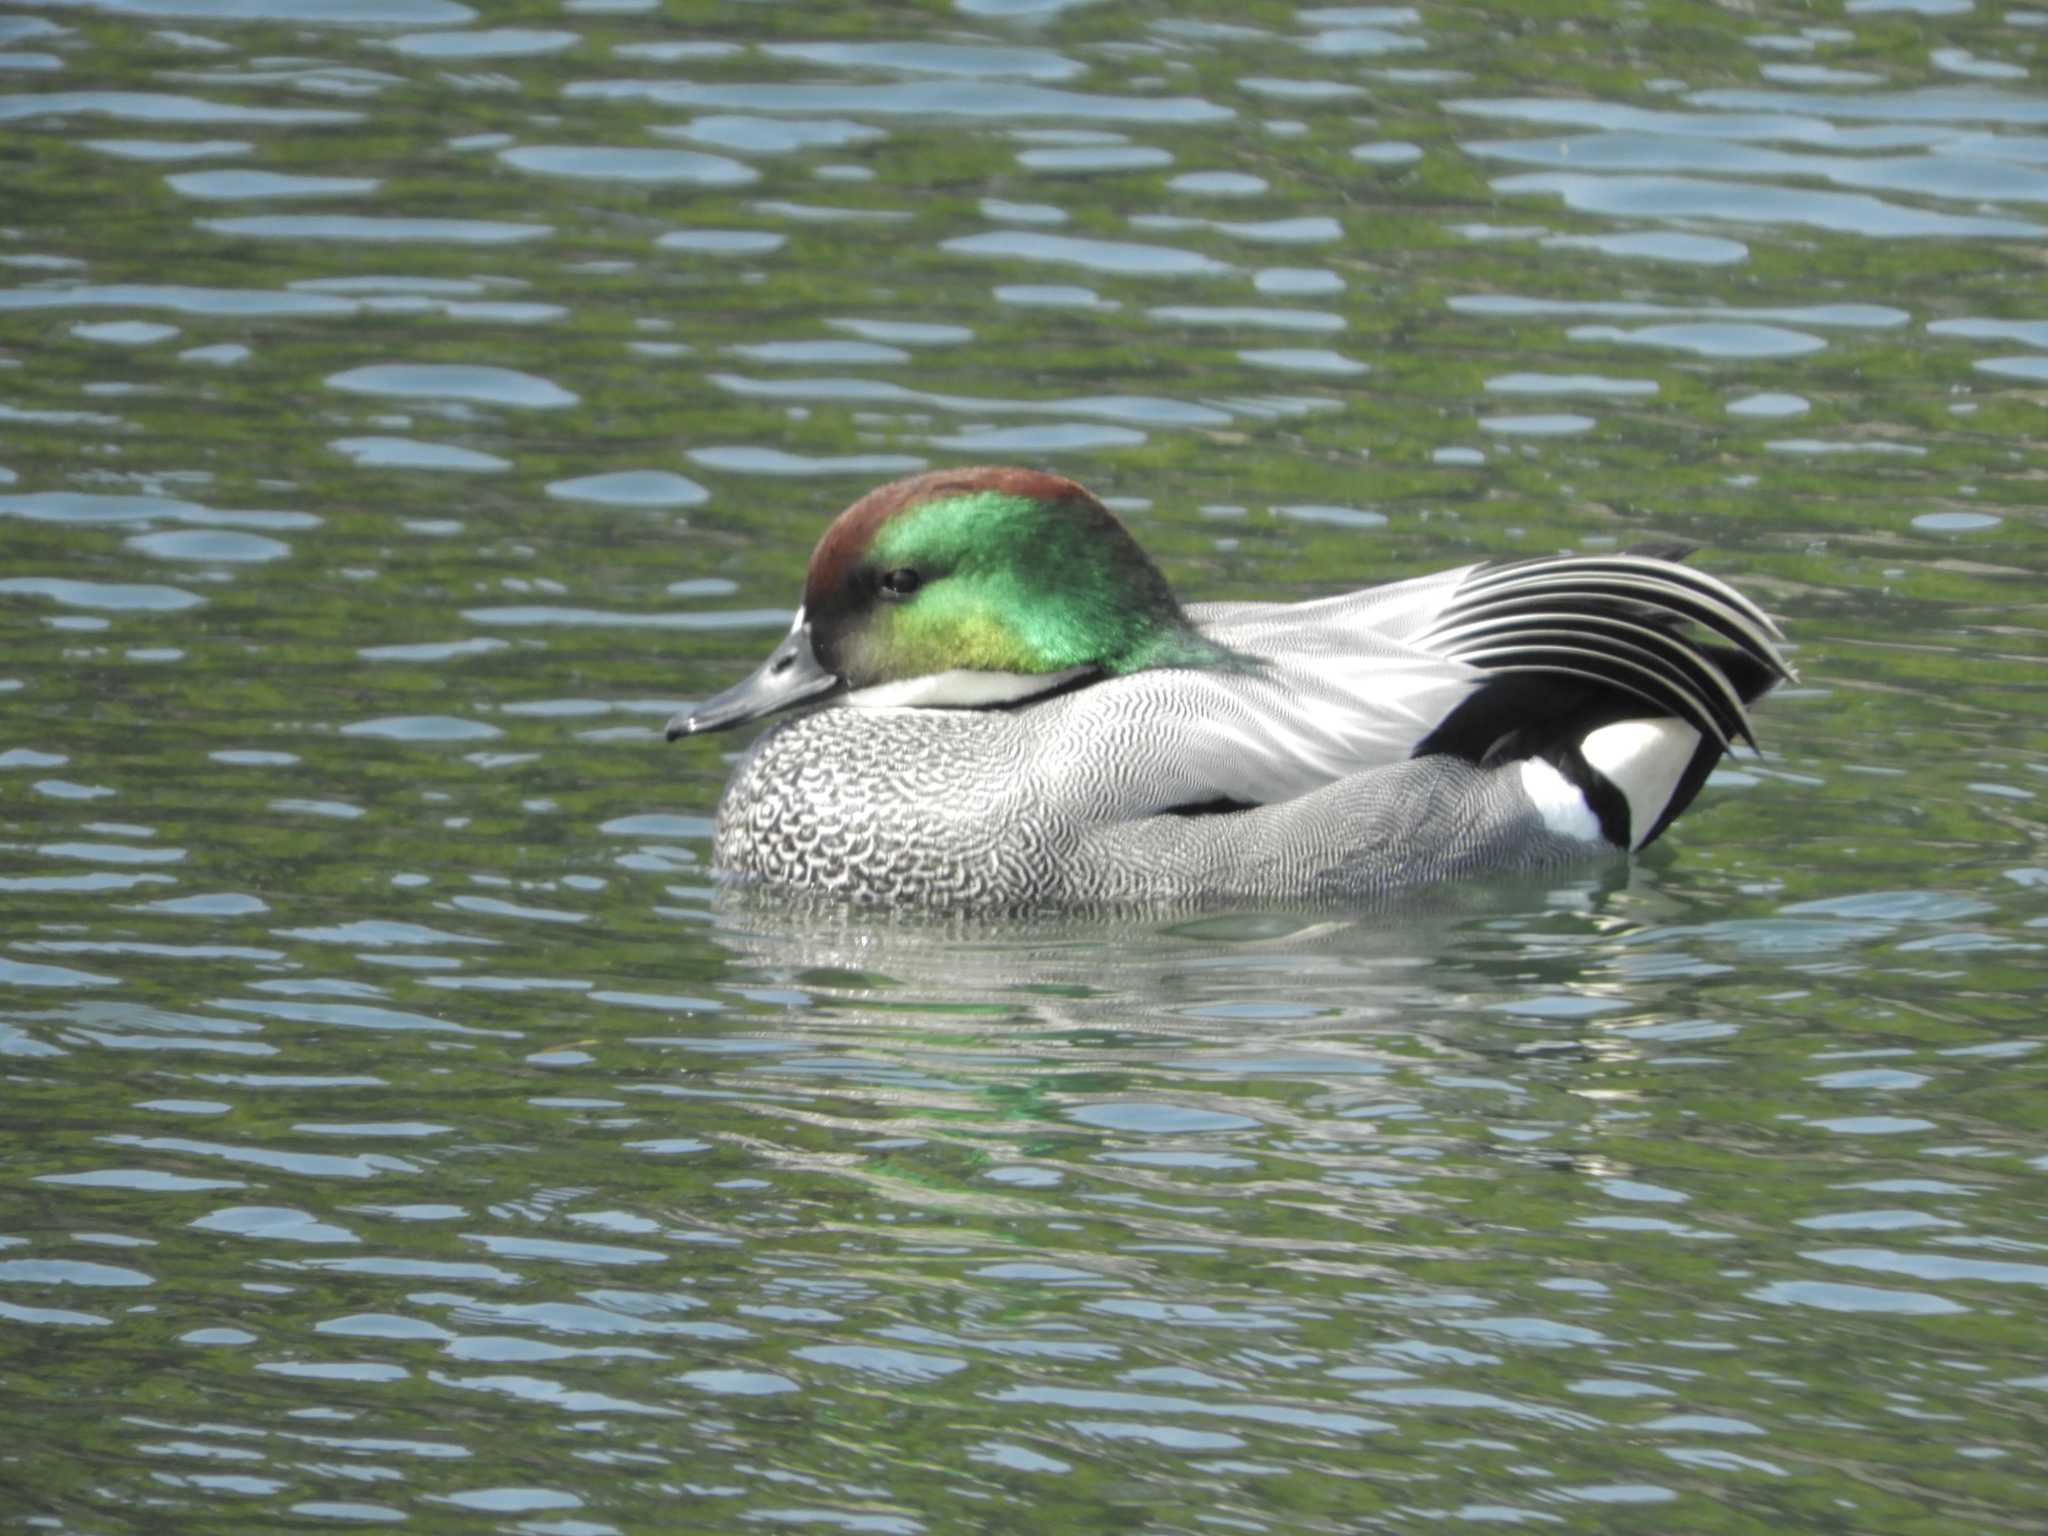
(405, 407)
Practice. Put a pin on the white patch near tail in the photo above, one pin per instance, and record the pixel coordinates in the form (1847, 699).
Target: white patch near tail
(1558, 800)
(1644, 759)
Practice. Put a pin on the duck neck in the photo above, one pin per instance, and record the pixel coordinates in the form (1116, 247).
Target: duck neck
(1174, 642)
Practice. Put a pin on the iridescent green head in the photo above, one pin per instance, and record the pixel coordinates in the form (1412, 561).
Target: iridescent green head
(967, 587)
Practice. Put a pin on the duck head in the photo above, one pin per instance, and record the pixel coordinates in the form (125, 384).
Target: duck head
(964, 588)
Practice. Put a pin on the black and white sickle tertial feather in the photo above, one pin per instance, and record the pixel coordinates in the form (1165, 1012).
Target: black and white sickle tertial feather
(1614, 622)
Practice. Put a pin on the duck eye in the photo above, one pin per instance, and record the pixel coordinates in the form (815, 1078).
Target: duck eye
(901, 583)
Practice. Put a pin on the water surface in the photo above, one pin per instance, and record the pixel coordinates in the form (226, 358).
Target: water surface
(405, 406)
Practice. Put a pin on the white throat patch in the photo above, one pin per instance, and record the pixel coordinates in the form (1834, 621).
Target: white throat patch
(961, 688)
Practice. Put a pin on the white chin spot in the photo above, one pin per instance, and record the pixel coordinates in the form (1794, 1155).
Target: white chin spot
(1558, 801)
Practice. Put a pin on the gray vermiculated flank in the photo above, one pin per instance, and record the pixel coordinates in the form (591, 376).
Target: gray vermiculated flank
(971, 824)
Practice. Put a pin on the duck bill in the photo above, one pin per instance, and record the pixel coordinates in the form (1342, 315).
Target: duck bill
(791, 675)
